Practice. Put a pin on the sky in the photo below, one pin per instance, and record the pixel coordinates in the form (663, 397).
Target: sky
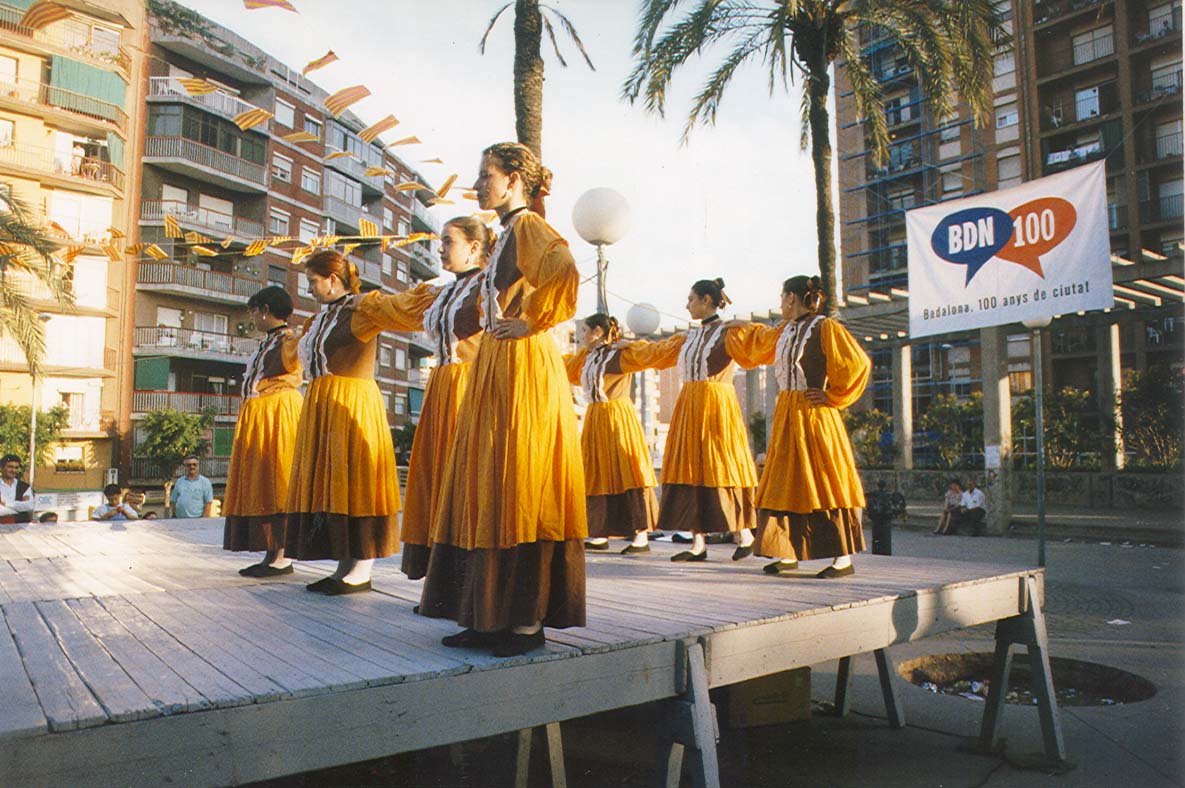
(736, 202)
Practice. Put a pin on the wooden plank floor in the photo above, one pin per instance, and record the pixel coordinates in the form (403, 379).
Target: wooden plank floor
(136, 654)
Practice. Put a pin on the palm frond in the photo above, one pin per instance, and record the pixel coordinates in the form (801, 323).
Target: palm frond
(570, 29)
(493, 21)
(19, 320)
(707, 102)
(649, 22)
(554, 44)
(868, 97)
(804, 120)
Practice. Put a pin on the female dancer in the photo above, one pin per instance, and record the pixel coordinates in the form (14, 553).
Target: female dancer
(507, 556)
(618, 472)
(265, 435)
(343, 501)
(708, 476)
(810, 491)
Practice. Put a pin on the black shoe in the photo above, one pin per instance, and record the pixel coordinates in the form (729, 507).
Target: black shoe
(633, 549)
(471, 638)
(416, 610)
(831, 572)
(687, 555)
(596, 545)
(272, 571)
(777, 567)
(321, 585)
(742, 552)
(514, 644)
(680, 538)
(249, 571)
(340, 587)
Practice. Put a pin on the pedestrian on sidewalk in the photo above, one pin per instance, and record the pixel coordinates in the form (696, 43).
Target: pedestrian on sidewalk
(950, 504)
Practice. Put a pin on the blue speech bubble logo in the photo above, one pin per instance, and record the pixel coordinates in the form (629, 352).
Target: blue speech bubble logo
(971, 237)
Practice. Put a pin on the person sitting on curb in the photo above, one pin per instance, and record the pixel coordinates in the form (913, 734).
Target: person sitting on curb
(971, 512)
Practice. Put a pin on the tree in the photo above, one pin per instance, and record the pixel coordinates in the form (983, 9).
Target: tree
(1153, 407)
(758, 430)
(948, 43)
(529, 23)
(954, 427)
(403, 437)
(26, 261)
(14, 430)
(170, 436)
(868, 430)
(1072, 438)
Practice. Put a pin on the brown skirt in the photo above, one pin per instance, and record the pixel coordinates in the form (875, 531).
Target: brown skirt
(690, 507)
(313, 536)
(493, 590)
(414, 561)
(824, 533)
(623, 514)
(243, 532)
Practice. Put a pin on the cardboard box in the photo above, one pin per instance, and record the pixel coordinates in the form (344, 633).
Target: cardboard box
(770, 700)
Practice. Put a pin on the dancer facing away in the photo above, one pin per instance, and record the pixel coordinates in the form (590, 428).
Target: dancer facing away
(618, 472)
(810, 490)
(265, 439)
(507, 557)
(343, 501)
(450, 318)
(708, 476)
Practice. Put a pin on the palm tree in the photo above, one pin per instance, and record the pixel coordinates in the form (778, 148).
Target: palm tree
(529, 24)
(949, 44)
(26, 259)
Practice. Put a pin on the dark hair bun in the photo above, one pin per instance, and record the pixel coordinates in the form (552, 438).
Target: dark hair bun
(719, 283)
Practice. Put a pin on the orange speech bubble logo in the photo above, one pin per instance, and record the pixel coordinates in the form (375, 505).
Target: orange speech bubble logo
(1037, 227)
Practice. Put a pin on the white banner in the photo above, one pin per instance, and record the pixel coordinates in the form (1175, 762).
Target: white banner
(1036, 250)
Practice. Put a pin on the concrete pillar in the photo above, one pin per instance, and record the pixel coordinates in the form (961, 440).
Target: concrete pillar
(771, 395)
(1111, 383)
(997, 427)
(903, 405)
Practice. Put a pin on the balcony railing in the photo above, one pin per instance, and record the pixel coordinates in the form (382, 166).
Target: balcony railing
(1167, 206)
(1070, 157)
(197, 216)
(423, 259)
(347, 213)
(219, 101)
(165, 338)
(186, 402)
(71, 35)
(46, 95)
(1168, 145)
(82, 168)
(1161, 28)
(214, 282)
(419, 211)
(205, 156)
(211, 467)
(1044, 11)
(1162, 85)
(368, 271)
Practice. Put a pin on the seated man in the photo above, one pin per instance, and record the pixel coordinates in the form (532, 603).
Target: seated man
(971, 512)
(115, 508)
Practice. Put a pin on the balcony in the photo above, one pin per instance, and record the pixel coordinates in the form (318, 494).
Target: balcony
(1166, 208)
(1071, 157)
(196, 217)
(191, 343)
(81, 172)
(219, 102)
(1057, 9)
(69, 37)
(424, 264)
(1163, 85)
(345, 213)
(1056, 54)
(145, 470)
(420, 213)
(369, 272)
(1116, 216)
(195, 282)
(194, 159)
(1081, 108)
(418, 344)
(355, 168)
(186, 402)
(1167, 146)
(93, 113)
(1160, 28)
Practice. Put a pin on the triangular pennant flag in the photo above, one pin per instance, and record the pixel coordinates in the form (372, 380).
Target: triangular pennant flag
(367, 228)
(203, 251)
(255, 248)
(42, 14)
(441, 201)
(251, 5)
(337, 103)
(329, 240)
(300, 136)
(432, 161)
(337, 154)
(320, 62)
(410, 186)
(280, 239)
(252, 117)
(155, 252)
(376, 171)
(405, 141)
(421, 237)
(114, 233)
(299, 254)
(73, 252)
(227, 241)
(197, 87)
(113, 253)
(369, 134)
(448, 184)
(172, 229)
(196, 238)
(135, 248)
(385, 242)
(58, 230)
(485, 216)
(348, 248)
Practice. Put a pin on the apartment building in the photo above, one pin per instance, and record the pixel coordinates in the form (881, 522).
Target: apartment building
(1081, 80)
(192, 332)
(69, 112)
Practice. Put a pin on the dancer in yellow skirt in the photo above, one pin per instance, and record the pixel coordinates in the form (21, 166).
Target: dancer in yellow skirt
(708, 476)
(618, 472)
(810, 491)
(506, 553)
(265, 435)
(343, 501)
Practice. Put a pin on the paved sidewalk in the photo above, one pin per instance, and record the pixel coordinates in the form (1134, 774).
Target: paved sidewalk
(1166, 528)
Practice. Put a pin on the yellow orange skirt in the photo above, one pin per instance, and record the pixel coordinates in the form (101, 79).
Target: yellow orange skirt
(343, 500)
(809, 464)
(707, 445)
(260, 467)
(429, 451)
(614, 449)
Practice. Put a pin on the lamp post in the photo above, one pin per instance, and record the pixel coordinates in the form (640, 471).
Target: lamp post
(601, 217)
(1036, 324)
(643, 320)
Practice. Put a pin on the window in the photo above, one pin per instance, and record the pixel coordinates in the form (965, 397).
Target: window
(386, 265)
(1006, 115)
(388, 218)
(1168, 139)
(285, 114)
(952, 181)
(1008, 171)
(302, 284)
(308, 230)
(312, 126)
(310, 180)
(401, 272)
(1166, 74)
(950, 128)
(387, 401)
(400, 358)
(1005, 63)
(345, 189)
(75, 402)
(404, 228)
(7, 128)
(278, 222)
(385, 356)
(1093, 45)
(1086, 103)
(400, 405)
(8, 71)
(281, 168)
(277, 275)
(1163, 19)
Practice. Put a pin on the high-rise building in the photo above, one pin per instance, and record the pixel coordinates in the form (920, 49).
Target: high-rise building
(233, 186)
(1080, 81)
(69, 114)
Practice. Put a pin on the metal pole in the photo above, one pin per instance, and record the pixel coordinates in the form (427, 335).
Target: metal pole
(1039, 385)
(645, 408)
(602, 267)
(33, 437)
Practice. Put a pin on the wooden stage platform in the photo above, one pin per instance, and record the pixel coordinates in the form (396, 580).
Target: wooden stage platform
(134, 654)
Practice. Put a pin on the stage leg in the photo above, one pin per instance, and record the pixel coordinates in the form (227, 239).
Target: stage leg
(893, 709)
(555, 755)
(690, 728)
(843, 686)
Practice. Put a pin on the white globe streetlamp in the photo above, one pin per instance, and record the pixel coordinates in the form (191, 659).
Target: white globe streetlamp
(601, 217)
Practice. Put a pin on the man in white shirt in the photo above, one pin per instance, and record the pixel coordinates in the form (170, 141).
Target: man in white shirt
(16, 497)
(972, 510)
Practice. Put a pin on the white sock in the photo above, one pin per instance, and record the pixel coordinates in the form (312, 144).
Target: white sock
(842, 562)
(597, 540)
(276, 559)
(640, 539)
(531, 630)
(359, 572)
(698, 545)
(746, 537)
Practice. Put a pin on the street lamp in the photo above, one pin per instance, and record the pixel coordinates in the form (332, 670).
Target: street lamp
(1036, 324)
(44, 318)
(601, 216)
(643, 320)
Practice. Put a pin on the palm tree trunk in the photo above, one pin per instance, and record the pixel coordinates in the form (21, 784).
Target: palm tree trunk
(819, 86)
(528, 75)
